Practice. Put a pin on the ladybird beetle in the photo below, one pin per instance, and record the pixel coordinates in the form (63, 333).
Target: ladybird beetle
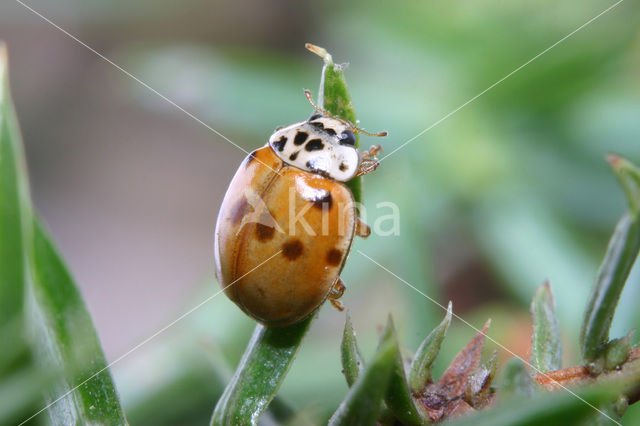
(288, 219)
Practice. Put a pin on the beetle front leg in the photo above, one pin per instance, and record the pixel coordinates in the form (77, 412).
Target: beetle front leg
(362, 229)
(373, 151)
(336, 292)
(368, 164)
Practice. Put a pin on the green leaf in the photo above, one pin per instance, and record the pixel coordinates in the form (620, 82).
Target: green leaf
(363, 402)
(14, 204)
(21, 392)
(516, 381)
(629, 176)
(352, 362)
(617, 351)
(334, 97)
(398, 396)
(546, 345)
(66, 338)
(261, 371)
(420, 372)
(620, 256)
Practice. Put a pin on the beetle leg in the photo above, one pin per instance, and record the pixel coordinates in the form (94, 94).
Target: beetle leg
(336, 292)
(373, 151)
(368, 163)
(362, 229)
(367, 166)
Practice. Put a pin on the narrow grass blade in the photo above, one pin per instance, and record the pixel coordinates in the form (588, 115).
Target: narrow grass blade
(362, 404)
(259, 374)
(352, 362)
(14, 205)
(398, 396)
(620, 256)
(334, 97)
(420, 372)
(66, 338)
(546, 344)
(21, 392)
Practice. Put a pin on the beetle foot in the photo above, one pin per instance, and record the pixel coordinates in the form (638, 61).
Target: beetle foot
(337, 304)
(367, 166)
(336, 292)
(373, 151)
(362, 229)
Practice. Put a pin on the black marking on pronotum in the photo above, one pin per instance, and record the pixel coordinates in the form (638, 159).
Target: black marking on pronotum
(314, 117)
(293, 156)
(250, 158)
(318, 125)
(347, 138)
(314, 145)
(330, 131)
(323, 201)
(280, 143)
(300, 138)
(342, 167)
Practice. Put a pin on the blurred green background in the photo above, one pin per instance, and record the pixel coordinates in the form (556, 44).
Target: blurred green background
(510, 191)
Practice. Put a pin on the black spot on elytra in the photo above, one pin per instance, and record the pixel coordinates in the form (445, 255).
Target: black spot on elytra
(300, 138)
(264, 232)
(318, 125)
(293, 156)
(342, 167)
(324, 201)
(292, 249)
(314, 117)
(239, 210)
(249, 159)
(314, 145)
(280, 143)
(334, 257)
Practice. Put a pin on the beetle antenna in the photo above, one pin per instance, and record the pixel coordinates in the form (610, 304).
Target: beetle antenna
(323, 111)
(326, 113)
(359, 130)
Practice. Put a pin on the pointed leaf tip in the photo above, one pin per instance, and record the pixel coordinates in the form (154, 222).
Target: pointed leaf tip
(320, 51)
(420, 371)
(439, 401)
(398, 396)
(629, 176)
(620, 257)
(352, 361)
(362, 404)
(546, 344)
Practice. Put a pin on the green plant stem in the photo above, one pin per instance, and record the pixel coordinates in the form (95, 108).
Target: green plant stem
(333, 96)
(259, 374)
